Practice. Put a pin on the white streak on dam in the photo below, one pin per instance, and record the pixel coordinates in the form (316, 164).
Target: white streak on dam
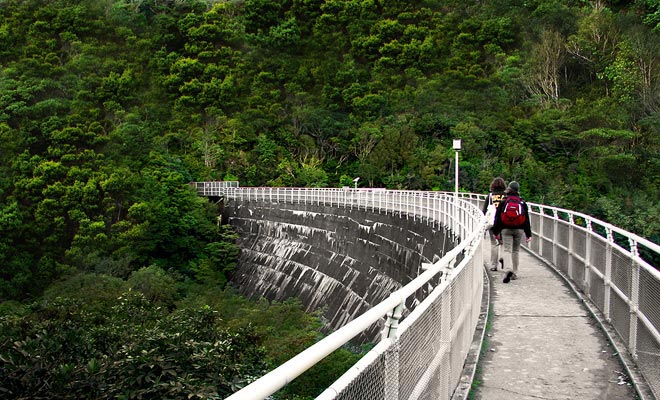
(338, 260)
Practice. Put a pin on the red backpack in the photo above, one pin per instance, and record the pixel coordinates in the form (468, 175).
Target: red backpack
(513, 214)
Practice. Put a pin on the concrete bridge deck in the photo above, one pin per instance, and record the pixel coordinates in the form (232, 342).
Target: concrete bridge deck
(543, 343)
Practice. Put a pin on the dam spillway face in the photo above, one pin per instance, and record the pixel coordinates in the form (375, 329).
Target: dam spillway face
(339, 260)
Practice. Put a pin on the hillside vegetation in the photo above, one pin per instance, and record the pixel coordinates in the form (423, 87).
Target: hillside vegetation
(108, 108)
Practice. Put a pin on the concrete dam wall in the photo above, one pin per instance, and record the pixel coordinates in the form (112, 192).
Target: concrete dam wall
(338, 260)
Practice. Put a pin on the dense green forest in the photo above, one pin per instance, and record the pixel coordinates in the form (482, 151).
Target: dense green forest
(113, 278)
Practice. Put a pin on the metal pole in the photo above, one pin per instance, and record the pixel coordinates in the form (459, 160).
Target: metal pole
(456, 176)
(457, 148)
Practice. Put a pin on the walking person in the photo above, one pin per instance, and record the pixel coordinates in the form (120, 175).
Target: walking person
(511, 223)
(496, 194)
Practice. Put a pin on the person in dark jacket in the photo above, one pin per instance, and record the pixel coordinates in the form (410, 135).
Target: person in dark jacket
(511, 223)
(495, 195)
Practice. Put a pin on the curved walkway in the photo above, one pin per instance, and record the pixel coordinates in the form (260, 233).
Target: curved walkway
(543, 343)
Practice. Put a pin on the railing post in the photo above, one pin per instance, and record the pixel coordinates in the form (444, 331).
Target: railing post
(415, 206)
(390, 331)
(430, 210)
(447, 203)
(407, 204)
(454, 215)
(587, 259)
(607, 281)
(540, 232)
(392, 323)
(460, 217)
(386, 196)
(571, 222)
(353, 194)
(344, 197)
(380, 201)
(436, 211)
(555, 224)
(634, 298)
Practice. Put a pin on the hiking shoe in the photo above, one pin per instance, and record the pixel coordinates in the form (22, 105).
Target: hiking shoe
(508, 276)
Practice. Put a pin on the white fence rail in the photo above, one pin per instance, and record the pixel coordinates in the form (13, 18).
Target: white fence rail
(213, 189)
(421, 356)
(609, 265)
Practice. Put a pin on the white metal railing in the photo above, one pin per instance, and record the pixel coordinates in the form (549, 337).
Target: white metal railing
(213, 189)
(608, 264)
(422, 355)
(612, 268)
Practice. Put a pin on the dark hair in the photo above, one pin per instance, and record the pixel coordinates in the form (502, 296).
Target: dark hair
(497, 185)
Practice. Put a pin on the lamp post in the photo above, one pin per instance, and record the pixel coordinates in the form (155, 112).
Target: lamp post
(457, 148)
(356, 181)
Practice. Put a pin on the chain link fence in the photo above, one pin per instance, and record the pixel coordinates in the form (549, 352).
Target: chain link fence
(615, 270)
(424, 343)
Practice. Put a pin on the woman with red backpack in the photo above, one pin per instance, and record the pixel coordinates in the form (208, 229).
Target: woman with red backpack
(511, 223)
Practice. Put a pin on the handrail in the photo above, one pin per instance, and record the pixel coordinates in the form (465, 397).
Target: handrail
(285, 373)
(590, 221)
(470, 223)
(206, 188)
(610, 272)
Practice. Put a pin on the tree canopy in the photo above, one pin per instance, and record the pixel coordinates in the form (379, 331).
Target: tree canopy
(109, 108)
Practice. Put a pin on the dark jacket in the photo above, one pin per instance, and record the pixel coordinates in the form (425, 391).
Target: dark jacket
(499, 225)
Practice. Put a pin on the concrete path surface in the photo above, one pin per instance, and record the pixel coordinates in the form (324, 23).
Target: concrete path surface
(544, 344)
